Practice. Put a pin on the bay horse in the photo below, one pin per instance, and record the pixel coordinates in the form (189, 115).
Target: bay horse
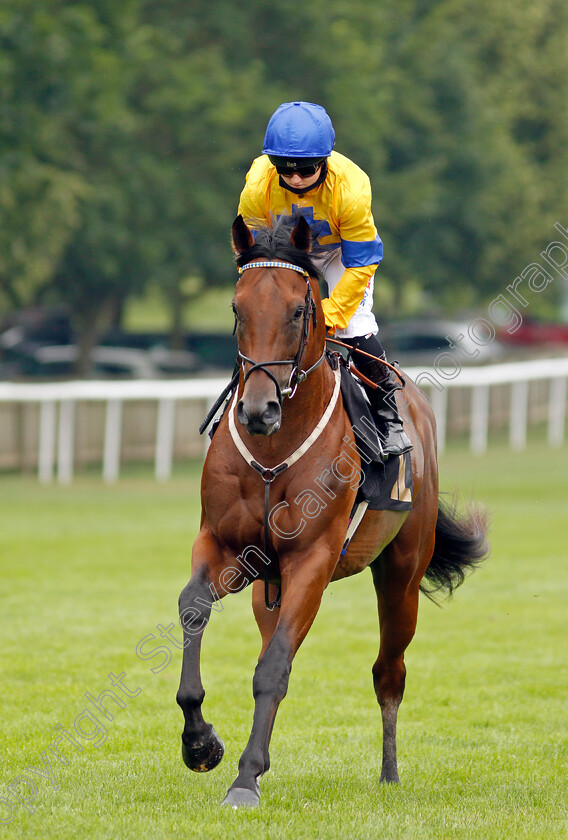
(279, 484)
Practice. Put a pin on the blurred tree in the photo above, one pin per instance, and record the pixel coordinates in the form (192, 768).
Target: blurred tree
(202, 108)
(67, 130)
(124, 147)
(519, 65)
(126, 130)
(40, 190)
(455, 111)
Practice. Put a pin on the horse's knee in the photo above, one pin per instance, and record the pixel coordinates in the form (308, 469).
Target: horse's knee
(194, 588)
(187, 595)
(271, 680)
(194, 604)
(272, 674)
(388, 681)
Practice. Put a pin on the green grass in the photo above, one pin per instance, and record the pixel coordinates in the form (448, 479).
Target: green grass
(88, 571)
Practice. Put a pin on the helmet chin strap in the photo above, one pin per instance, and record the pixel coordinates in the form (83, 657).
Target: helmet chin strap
(320, 180)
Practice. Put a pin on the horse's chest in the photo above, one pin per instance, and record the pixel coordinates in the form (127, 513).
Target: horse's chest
(235, 513)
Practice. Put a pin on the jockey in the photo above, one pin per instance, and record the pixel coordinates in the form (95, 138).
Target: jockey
(299, 172)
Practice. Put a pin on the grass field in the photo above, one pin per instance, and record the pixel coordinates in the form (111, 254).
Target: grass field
(87, 574)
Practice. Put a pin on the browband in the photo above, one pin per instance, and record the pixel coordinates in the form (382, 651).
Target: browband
(274, 264)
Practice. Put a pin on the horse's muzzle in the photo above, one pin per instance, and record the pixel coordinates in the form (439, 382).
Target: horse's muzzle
(262, 421)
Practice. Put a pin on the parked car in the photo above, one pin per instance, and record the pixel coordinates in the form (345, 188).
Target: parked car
(419, 342)
(40, 343)
(54, 361)
(537, 334)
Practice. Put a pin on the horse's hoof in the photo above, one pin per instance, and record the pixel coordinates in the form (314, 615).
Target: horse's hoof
(390, 779)
(241, 798)
(204, 754)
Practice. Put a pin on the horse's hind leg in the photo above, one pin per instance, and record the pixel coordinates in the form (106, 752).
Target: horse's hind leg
(396, 575)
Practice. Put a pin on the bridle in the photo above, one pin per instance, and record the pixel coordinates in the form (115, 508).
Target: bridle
(297, 375)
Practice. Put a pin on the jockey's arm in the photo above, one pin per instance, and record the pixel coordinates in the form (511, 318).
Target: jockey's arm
(361, 251)
(343, 301)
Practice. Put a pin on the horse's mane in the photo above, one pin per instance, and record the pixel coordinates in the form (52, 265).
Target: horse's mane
(273, 243)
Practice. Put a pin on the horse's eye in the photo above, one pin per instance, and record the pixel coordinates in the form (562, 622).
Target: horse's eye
(298, 313)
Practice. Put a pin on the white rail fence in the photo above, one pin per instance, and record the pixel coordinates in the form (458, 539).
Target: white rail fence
(58, 401)
(481, 380)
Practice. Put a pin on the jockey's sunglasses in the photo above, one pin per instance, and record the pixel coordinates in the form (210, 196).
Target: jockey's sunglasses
(303, 171)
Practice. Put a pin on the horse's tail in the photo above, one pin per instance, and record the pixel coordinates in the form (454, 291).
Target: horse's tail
(460, 546)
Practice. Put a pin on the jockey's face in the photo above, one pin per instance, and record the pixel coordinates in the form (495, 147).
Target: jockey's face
(299, 182)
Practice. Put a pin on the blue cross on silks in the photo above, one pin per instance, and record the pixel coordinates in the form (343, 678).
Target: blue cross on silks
(318, 227)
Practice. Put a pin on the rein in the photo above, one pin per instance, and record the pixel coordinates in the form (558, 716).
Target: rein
(384, 362)
(297, 376)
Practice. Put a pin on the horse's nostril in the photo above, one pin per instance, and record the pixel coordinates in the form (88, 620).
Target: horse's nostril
(263, 420)
(271, 413)
(242, 416)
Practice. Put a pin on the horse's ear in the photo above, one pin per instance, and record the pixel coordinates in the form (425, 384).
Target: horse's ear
(301, 236)
(242, 237)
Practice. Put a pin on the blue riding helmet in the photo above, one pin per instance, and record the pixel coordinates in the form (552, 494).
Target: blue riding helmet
(299, 130)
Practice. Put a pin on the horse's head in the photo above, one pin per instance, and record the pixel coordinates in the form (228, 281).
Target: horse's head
(280, 339)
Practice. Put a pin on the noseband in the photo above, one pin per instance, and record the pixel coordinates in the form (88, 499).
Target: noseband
(297, 375)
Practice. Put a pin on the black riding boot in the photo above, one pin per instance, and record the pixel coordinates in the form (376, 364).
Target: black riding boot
(383, 403)
(382, 399)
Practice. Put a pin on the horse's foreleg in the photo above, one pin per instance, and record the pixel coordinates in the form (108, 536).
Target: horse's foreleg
(396, 583)
(301, 596)
(202, 749)
(266, 619)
